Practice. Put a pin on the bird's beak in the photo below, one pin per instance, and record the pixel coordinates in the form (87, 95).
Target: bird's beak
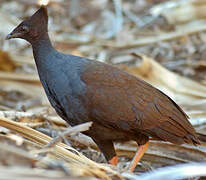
(13, 35)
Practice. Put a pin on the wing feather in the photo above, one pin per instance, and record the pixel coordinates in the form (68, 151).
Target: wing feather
(123, 101)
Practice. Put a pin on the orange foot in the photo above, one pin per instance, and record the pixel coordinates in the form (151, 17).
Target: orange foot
(138, 156)
(114, 161)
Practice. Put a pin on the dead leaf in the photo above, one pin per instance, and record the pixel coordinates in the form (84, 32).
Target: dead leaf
(6, 63)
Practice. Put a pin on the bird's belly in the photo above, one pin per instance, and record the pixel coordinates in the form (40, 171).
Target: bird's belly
(105, 133)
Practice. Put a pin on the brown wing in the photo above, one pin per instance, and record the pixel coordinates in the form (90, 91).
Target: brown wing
(123, 101)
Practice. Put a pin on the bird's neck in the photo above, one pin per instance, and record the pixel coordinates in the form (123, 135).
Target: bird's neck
(41, 48)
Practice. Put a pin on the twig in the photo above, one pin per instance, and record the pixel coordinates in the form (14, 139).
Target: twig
(19, 76)
(15, 114)
(61, 150)
(69, 131)
(181, 171)
(158, 38)
(119, 17)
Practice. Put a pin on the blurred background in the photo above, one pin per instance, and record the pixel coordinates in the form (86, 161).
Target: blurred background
(162, 42)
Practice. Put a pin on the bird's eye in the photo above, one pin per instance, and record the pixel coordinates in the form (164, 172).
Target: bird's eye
(25, 28)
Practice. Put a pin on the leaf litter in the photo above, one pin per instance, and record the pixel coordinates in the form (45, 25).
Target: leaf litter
(149, 39)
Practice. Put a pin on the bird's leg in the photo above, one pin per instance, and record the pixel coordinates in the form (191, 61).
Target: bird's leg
(107, 148)
(138, 156)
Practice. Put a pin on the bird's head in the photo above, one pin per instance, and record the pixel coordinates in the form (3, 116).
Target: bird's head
(33, 27)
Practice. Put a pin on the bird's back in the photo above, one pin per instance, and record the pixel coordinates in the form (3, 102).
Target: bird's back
(122, 101)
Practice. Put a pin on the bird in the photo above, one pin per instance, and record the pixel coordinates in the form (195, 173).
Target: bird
(120, 106)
